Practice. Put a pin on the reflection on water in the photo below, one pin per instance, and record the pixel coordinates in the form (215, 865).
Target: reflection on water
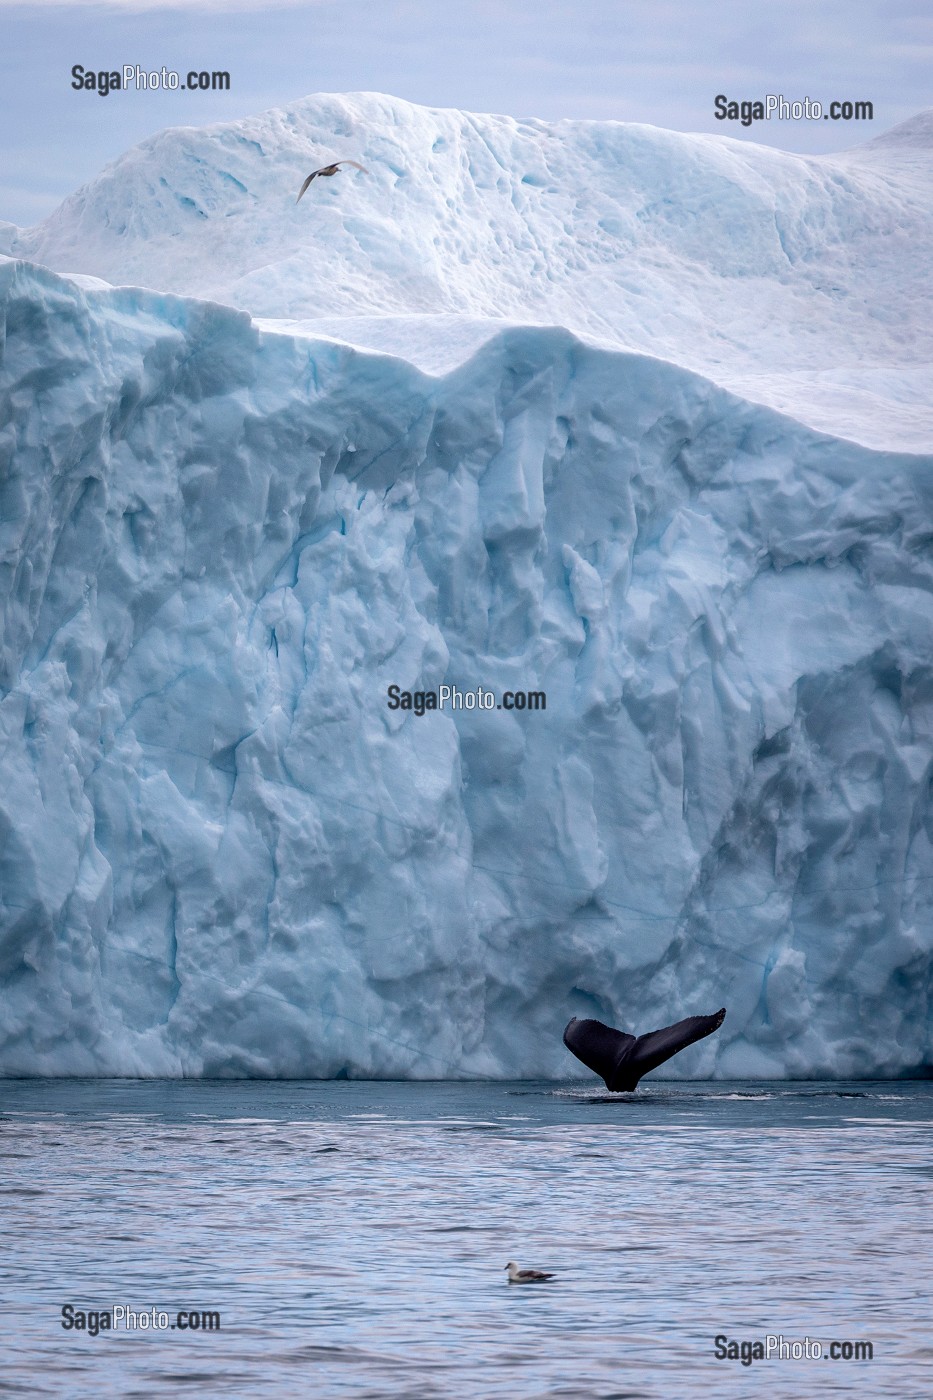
(353, 1237)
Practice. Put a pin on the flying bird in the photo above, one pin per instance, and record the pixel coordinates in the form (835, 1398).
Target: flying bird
(330, 170)
(621, 1059)
(517, 1275)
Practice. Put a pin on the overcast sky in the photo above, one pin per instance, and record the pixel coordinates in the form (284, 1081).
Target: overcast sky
(658, 61)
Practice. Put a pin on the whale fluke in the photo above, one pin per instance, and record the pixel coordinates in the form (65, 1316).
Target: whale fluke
(621, 1060)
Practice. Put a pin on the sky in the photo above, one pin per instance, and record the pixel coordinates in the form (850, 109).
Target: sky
(662, 62)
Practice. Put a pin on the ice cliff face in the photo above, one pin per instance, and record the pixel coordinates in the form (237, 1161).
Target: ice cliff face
(222, 853)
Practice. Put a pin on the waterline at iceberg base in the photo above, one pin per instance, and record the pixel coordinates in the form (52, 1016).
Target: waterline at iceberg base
(222, 854)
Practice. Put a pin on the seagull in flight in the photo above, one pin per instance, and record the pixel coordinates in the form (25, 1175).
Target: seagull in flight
(330, 170)
(517, 1275)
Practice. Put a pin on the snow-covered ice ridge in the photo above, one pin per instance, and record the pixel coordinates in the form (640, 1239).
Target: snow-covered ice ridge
(800, 282)
(220, 542)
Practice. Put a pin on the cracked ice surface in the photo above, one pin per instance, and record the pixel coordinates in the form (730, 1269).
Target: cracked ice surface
(221, 853)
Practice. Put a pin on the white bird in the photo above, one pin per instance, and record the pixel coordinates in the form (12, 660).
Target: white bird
(517, 1275)
(330, 170)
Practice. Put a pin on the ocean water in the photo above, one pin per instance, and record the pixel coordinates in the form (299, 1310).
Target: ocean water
(352, 1238)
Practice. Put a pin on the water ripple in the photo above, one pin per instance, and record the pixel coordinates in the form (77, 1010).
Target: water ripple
(354, 1240)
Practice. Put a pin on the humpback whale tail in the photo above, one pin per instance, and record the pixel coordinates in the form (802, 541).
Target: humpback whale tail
(621, 1059)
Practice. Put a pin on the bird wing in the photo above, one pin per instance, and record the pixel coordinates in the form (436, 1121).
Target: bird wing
(530, 1275)
(307, 183)
(354, 163)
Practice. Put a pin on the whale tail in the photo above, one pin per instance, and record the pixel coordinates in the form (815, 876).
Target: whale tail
(621, 1059)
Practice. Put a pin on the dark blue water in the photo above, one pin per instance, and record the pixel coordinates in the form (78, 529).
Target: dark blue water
(353, 1237)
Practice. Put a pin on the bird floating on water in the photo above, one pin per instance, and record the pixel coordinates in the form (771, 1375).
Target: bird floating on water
(330, 170)
(517, 1275)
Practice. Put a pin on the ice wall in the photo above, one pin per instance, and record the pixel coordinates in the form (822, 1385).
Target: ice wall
(220, 852)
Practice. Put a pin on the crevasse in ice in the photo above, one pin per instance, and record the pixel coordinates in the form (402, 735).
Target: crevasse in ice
(222, 539)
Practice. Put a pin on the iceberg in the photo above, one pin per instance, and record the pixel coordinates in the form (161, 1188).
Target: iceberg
(299, 463)
(799, 282)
